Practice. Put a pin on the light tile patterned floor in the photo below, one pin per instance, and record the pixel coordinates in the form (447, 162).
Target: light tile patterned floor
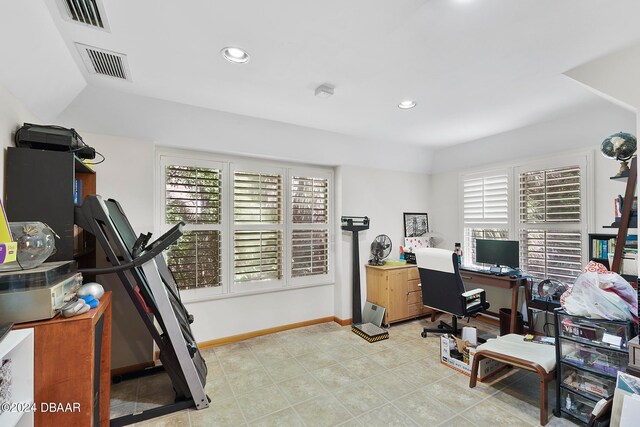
(325, 375)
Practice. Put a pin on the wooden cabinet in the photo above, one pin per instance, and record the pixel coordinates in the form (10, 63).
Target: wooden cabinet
(72, 366)
(40, 186)
(397, 289)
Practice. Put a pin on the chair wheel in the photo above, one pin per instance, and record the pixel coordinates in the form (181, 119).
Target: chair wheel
(424, 334)
(440, 326)
(386, 326)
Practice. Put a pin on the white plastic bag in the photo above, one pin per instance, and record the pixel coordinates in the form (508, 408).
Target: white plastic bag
(598, 296)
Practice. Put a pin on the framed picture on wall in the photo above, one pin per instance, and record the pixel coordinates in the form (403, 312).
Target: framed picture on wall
(415, 224)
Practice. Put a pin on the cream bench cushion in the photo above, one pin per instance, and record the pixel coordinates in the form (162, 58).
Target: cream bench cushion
(514, 345)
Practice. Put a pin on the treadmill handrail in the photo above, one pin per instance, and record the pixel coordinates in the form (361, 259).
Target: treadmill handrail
(150, 252)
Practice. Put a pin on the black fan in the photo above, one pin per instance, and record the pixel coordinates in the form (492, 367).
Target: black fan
(551, 289)
(380, 249)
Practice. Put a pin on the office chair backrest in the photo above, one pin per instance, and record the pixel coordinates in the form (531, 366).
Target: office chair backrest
(442, 285)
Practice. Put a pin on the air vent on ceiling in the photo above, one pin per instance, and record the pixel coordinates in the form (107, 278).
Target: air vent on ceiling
(105, 62)
(87, 12)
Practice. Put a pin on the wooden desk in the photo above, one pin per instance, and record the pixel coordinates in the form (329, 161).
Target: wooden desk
(72, 363)
(472, 277)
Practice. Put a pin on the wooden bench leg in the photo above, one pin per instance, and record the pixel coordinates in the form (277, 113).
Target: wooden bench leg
(474, 370)
(544, 402)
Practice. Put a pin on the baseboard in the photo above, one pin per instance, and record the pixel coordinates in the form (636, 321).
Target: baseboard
(131, 368)
(246, 336)
(342, 322)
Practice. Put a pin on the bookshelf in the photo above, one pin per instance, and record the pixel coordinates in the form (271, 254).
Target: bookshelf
(40, 186)
(622, 249)
(602, 247)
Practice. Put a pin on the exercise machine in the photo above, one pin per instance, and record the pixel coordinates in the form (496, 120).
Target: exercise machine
(153, 290)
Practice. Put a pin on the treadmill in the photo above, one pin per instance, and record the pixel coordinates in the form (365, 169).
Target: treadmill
(151, 286)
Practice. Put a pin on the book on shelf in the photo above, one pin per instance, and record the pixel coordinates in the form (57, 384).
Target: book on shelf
(77, 191)
(601, 248)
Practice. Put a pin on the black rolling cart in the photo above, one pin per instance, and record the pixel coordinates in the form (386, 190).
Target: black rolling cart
(589, 354)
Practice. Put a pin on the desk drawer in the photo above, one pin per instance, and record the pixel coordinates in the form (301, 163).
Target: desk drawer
(415, 309)
(413, 273)
(414, 285)
(414, 297)
(477, 280)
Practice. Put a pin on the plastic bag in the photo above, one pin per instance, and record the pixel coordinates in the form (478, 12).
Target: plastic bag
(600, 296)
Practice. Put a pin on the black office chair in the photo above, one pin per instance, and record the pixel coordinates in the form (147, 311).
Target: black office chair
(443, 288)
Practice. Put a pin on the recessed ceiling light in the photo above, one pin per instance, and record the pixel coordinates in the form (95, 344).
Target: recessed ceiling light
(405, 105)
(235, 55)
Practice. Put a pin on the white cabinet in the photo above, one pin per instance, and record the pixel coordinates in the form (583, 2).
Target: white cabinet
(16, 353)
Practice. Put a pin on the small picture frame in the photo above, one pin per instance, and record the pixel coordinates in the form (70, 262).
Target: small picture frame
(415, 224)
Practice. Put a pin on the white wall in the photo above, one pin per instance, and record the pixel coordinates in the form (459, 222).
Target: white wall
(585, 128)
(182, 126)
(383, 196)
(619, 82)
(13, 114)
(126, 175)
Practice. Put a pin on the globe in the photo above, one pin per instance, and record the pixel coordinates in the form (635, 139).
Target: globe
(619, 146)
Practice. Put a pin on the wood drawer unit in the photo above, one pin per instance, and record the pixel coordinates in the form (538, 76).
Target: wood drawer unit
(396, 288)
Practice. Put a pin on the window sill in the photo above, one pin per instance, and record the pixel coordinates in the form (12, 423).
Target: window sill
(219, 296)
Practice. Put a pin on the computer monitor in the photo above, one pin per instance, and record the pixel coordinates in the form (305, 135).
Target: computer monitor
(498, 252)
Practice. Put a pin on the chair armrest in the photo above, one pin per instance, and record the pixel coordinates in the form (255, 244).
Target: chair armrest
(472, 292)
(473, 301)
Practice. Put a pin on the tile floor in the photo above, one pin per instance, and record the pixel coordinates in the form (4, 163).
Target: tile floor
(325, 375)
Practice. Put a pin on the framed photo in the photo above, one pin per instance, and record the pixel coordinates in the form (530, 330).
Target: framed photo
(415, 224)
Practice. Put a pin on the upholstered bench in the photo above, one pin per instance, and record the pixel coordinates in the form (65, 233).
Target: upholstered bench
(513, 350)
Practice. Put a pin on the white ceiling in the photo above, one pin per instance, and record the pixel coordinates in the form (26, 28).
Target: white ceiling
(475, 67)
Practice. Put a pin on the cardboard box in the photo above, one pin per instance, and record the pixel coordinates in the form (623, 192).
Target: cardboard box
(486, 369)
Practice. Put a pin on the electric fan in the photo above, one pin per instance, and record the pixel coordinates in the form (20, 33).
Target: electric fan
(547, 293)
(380, 249)
(551, 289)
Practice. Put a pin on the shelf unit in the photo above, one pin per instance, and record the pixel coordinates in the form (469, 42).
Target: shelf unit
(17, 346)
(589, 353)
(40, 186)
(593, 238)
(626, 215)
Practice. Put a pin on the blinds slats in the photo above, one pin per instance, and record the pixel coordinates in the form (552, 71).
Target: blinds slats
(257, 255)
(552, 195)
(485, 200)
(309, 203)
(195, 260)
(309, 252)
(257, 198)
(192, 194)
(552, 254)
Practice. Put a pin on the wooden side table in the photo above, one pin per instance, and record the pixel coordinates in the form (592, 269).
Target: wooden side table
(72, 364)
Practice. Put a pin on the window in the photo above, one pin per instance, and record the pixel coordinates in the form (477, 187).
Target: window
(258, 227)
(485, 210)
(309, 224)
(192, 194)
(250, 226)
(551, 222)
